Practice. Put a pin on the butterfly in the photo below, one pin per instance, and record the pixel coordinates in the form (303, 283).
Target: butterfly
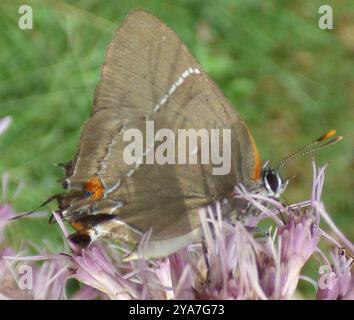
(149, 75)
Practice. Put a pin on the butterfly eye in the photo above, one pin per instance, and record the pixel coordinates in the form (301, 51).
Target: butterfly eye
(272, 182)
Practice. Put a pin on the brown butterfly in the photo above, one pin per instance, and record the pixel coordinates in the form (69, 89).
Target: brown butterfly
(148, 74)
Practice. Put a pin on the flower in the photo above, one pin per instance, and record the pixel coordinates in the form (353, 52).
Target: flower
(6, 213)
(23, 279)
(93, 267)
(5, 124)
(336, 282)
(234, 261)
(9, 288)
(296, 242)
(240, 266)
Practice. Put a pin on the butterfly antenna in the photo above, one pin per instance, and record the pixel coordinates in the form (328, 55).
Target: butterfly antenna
(311, 148)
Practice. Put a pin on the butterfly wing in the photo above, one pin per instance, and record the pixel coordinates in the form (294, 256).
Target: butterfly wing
(149, 74)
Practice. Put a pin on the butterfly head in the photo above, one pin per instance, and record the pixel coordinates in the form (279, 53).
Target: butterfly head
(273, 182)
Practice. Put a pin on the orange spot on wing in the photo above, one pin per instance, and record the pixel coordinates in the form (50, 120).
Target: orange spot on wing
(95, 186)
(78, 226)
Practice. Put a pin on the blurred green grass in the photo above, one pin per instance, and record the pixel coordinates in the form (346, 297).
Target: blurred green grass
(290, 81)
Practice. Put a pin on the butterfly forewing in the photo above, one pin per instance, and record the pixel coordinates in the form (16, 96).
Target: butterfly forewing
(149, 74)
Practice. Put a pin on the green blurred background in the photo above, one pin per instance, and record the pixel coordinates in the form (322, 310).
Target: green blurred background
(290, 81)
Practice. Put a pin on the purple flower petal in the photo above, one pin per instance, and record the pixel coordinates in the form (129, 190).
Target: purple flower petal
(4, 124)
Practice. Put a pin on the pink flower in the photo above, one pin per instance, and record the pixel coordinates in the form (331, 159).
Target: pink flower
(295, 244)
(336, 281)
(22, 279)
(95, 268)
(6, 214)
(5, 124)
(9, 288)
(235, 261)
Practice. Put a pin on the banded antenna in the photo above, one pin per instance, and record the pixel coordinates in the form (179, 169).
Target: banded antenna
(311, 148)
